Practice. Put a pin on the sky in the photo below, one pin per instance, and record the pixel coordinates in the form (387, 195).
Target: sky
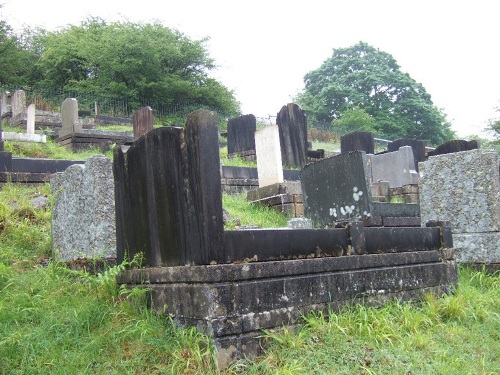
(263, 49)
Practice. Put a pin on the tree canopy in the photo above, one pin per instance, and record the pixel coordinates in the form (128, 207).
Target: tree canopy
(364, 77)
(142, 63)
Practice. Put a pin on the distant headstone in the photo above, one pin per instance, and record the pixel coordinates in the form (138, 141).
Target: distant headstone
(417, 146)
(292, 124)
(5, 104)
(336, 189)
(241, 134)
(69, 117)
(83, 217)
(30, 119)
(267, 148)
(18, 105)
(143, 121)
(358, 141)
(398, 167)
(457, 145)
(168, 195)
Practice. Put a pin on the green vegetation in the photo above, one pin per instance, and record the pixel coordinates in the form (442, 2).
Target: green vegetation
(57, 321)
(362, 77)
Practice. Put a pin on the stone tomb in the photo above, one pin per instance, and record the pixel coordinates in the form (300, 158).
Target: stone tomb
(241, 137)
(232, 284)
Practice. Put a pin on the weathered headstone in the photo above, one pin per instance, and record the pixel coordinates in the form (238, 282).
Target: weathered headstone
(358, 141)
(30, 119)
(267, 147)
(143, 121)
(168, 195)
(417, 146)
(463, 187)
(83, 217)
(292, 124)
(395, 167)
(336, 189)
(5, 105)
(241, 134)
(456, 145)
(18, 104)
(69, 117)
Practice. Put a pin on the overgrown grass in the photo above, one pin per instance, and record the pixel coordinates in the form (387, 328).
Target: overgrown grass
(234, 161)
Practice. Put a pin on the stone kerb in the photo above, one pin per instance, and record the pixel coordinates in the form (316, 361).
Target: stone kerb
(83, 218)
(292, 125)
(397, 167)
(268, 150)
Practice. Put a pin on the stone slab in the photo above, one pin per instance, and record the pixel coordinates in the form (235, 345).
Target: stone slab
(24, 137)
(287, 187)
(398, 167)
(483, 248)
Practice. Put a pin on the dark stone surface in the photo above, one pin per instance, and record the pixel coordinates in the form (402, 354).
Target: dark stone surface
(113, 120)
(397, 239)
(396, 209)
(454, 146)
(292, 124)
(5, 161)
(143, 121)
(83, 141)
(358, 141)
(168, 195)
(241, 134)
(34, 165)
(336, 189)
(445, 232)
(417, 146)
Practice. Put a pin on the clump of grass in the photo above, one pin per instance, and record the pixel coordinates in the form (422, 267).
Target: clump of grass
(50, 150)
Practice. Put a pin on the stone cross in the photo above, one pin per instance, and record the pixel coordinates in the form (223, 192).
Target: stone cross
(268, 151)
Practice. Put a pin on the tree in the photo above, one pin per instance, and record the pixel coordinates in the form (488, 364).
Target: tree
(354, 119)
(365, 77)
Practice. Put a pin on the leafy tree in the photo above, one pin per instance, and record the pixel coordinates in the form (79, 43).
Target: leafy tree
(365, 77)
(354, 119)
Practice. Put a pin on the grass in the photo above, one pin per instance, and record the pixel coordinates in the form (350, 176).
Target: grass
(57, 321)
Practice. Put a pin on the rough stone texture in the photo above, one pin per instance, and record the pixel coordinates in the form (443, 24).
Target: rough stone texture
(417, 147)
(143, 121)
(69, 118)
(457, 145)
(269, 163)
(358, 141)
(18, 105)
(83, 218)
(397, 167)
(5, 104)
(241, 134)
(463, 188)
(168, 195)
(292, 124)
(477, 247)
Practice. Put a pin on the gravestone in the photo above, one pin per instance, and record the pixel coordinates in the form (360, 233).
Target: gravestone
(83, 217)
(358, 141)
(417, 146)
(267, 148)
(292, 124)
(6, 107)
(69, 117)
(143, 121)
(395, 167)
(168, 195)
(456, 145)
(18, 105)
(30, 119)
(241, 134)
(463, 187)
(336, 189)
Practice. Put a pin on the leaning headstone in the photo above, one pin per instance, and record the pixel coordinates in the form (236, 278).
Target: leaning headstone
(18, 105)
(143, 121)
(69, 117)
(463, 188)
(292, 124)
(267, 148)
(336, 189)
(417, 147)
(456, 145)
(358, 141)
(398, 167)
(83, 217)
(30, 119)
(241, 134)
(168, 195)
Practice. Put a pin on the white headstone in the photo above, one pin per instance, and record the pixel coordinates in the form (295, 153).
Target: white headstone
(30, 119)
(268, 151)
(69, 117)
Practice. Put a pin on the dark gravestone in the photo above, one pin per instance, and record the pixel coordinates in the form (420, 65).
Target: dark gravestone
(168, 195)
(292, 124)
(336, 189)
(454, 146)
(143, 121)
(417, 146)
(241, 134)
(357, 141)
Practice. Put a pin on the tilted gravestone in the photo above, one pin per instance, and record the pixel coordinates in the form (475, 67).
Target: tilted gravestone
(395, 167)
(168, 195)
(69, 117)
(292, 124)
(417, 146)
(83, 217)
(241, 134)
(269, 165)
(456, 145)
(357, 141)
(143, 121)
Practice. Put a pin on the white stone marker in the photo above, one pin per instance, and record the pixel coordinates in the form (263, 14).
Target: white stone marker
(30, 119)
(268, 151)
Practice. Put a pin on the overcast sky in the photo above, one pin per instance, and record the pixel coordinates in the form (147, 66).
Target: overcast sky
(264, 48)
